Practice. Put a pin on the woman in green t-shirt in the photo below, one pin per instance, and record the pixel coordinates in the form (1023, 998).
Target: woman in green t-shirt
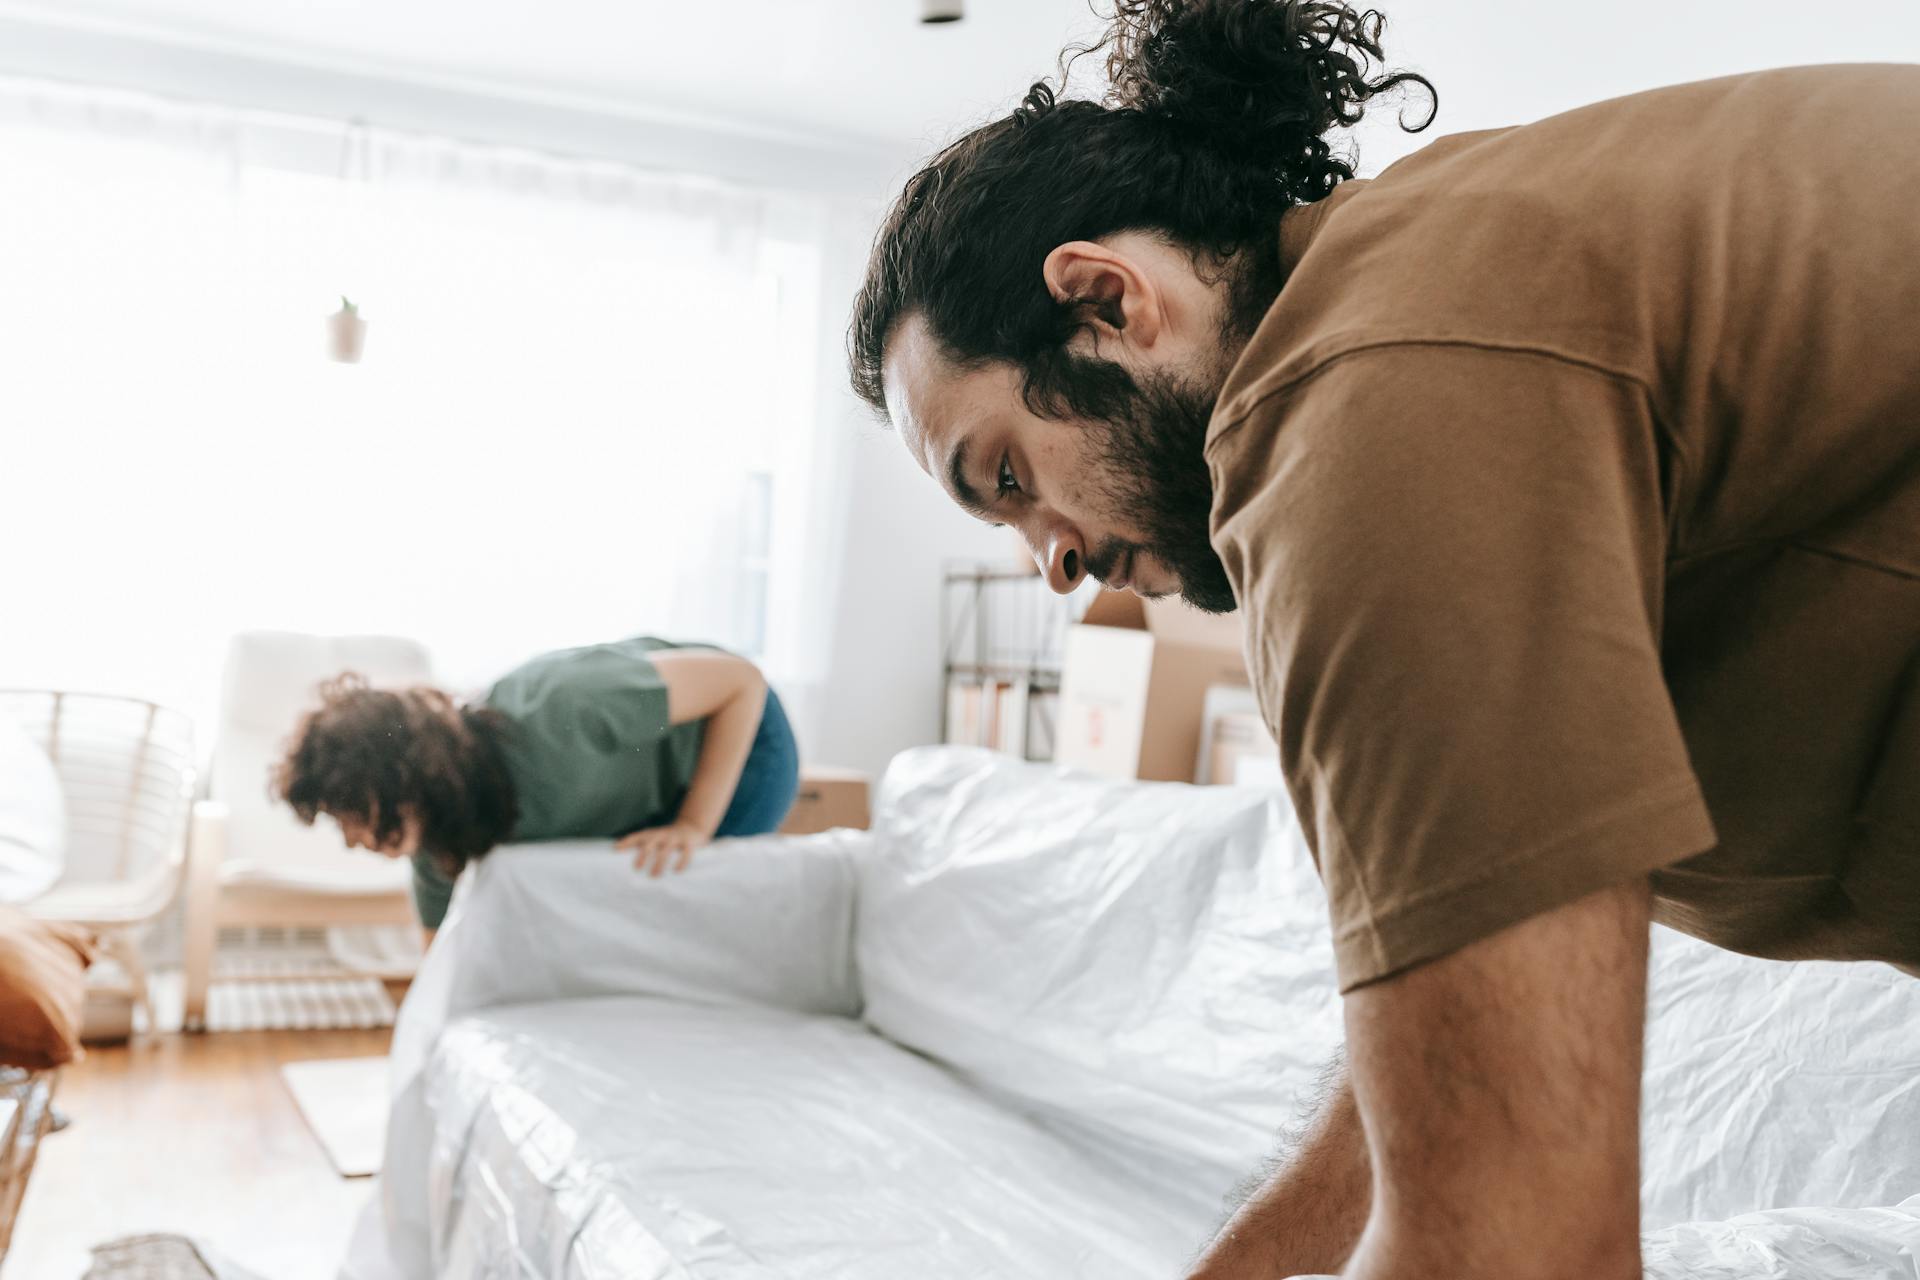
(660, 745)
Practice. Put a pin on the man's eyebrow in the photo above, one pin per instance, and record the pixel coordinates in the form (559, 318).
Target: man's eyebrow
(963, 491)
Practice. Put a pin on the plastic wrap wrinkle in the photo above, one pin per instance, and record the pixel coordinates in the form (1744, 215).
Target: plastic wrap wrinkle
(1793, 1244)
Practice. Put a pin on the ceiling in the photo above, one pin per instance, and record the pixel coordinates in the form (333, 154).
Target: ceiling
(861, 70)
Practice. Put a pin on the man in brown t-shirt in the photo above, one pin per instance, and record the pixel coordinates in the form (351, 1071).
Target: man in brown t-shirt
(1569, 478)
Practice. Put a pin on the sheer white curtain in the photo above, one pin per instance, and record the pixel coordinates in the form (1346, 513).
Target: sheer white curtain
(586, 407)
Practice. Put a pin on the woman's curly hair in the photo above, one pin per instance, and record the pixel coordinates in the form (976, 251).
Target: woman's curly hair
(1215, 123)
(374, 755)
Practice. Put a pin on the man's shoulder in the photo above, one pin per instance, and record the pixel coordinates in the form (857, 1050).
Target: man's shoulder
(1567, 234)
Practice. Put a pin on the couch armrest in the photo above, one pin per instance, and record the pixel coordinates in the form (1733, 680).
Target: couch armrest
(766, 921)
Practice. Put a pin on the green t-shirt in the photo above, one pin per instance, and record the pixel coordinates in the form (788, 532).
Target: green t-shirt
(590, 750)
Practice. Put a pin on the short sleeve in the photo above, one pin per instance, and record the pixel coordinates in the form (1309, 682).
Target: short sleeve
(1451, 564)
(432, 891)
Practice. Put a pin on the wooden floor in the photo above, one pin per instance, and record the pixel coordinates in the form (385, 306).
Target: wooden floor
(196, 1135)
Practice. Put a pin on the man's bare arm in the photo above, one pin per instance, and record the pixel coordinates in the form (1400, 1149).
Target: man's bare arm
(1502, 1088)
(1307, 1214)
(1499, 1088)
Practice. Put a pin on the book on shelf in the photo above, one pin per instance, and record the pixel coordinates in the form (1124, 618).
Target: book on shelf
(963, 712)
(989, 713)
(1012, 719)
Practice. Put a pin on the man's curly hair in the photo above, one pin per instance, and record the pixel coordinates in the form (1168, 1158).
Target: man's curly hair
(376, 755)
(1215, 123)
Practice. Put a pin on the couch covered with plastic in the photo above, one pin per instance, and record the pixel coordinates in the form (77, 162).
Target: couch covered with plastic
(1033, 1025)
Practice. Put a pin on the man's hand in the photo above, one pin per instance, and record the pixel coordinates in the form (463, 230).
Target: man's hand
(1306, 1216)
(1500, 1091)
(658, 848)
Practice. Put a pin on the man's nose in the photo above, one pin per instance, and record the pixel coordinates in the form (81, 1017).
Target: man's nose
(1061, 558)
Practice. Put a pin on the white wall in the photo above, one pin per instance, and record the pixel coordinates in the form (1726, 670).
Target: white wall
(882, 688)
(1507, 62)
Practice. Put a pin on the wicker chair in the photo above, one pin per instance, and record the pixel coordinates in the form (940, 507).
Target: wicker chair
(126, 769)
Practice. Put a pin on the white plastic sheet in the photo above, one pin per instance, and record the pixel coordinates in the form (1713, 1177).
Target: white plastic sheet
(634, 1139)
(1154, 960)
(1793, 1244)
(1770, 1084)
(1147, 961)
(1088, 1005)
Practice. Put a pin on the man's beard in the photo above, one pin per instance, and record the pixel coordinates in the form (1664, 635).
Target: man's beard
(1151, 442)
(1151, 453)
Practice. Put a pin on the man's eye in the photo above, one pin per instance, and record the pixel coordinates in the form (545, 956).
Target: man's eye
(1006, 484)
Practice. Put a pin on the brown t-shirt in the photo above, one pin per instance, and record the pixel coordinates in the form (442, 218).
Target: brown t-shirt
(1571, 488)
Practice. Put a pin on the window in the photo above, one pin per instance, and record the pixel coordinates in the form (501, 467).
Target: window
(576, 417)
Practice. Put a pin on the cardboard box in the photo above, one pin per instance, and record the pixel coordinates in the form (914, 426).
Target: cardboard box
(1133, 687)
(1233, 736)
(828, 798)
(1242, 752)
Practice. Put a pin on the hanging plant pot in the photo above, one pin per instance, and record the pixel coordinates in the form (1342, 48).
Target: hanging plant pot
(346, 333)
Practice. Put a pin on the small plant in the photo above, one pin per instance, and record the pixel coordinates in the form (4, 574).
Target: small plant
(346, 332)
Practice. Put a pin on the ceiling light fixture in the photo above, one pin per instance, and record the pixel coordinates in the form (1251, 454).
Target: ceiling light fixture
(933, 12)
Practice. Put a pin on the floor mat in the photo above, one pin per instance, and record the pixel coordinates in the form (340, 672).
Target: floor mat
(160, 1257)
(344, 1102)
(278, 997)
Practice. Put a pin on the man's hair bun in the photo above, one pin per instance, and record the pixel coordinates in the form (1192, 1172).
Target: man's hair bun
(1262, 81)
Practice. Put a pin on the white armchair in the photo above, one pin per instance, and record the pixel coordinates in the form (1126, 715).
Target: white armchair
(126, 770)
(253, 863)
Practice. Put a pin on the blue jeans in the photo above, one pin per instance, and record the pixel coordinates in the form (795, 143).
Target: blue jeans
(770, 779)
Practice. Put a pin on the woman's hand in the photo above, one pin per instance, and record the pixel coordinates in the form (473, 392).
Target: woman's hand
(658, 847)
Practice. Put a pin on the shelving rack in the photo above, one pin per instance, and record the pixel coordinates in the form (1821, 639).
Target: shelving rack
(1002, 629)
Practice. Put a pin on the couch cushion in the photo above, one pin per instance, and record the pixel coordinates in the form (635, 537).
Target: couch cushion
(42, 988)
(650, 1139)
(1151, 959)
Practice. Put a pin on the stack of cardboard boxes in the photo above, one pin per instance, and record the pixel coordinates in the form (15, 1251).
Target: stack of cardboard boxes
(1153, 689)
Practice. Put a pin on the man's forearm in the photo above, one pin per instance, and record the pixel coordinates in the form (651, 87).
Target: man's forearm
(1308, 1214)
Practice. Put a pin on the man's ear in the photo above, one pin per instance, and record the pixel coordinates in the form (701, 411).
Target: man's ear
(1116, 300)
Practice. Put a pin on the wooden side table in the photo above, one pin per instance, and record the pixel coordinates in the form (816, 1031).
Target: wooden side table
(26, 1116)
